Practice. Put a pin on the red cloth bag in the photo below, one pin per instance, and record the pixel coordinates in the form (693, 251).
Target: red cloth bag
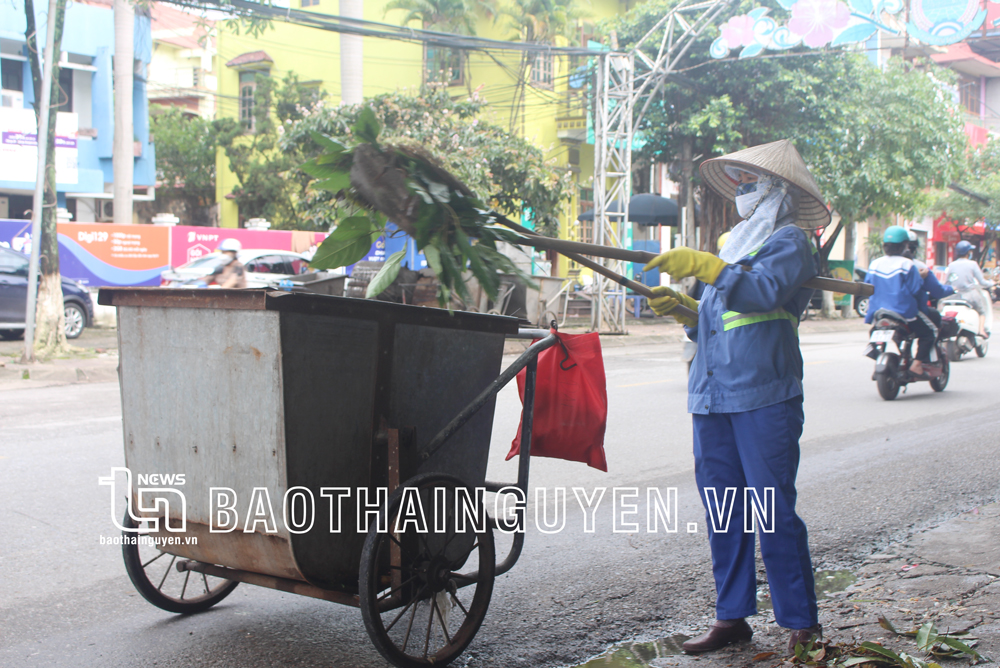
(571, 402)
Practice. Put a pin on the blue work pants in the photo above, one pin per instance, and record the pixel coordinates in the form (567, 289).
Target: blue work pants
(756, 449)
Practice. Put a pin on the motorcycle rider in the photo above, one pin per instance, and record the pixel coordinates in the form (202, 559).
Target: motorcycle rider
(898, 285)
(966, 277)
(933, 290)
(231, 273)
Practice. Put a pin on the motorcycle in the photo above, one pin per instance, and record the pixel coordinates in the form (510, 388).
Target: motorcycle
(966, 338)
(892, 344)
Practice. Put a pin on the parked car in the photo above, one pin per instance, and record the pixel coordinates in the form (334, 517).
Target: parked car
(265, 268)
(78, 307)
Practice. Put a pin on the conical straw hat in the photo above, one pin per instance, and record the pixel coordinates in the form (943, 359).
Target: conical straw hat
(780, 159)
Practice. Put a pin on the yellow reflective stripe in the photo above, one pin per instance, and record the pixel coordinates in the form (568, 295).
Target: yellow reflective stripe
(731, 319)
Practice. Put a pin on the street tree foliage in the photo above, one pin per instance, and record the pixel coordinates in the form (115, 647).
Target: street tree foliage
(270, 183)
(506, 172)
(185, 161)
(405, 184)
(895, 133)
(979, 176)
(50, 329)
(874, 138)
(454, 16)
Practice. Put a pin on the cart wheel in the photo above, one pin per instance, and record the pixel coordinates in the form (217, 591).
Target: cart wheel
(423, 595)
(154, 576)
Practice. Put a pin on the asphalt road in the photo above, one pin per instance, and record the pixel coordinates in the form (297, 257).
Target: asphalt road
(870, 471)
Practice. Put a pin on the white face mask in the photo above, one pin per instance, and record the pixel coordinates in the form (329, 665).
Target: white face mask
(746, 203)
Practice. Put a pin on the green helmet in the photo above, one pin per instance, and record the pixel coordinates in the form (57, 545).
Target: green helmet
(895, 234)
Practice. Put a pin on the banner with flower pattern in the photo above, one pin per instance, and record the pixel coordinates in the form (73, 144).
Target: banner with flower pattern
(818, 23)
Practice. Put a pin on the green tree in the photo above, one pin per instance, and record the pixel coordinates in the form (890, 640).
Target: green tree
(894, 134)
(874, 138)
(980, 179)
(709, 107)
(270, 185)
(505, 171)
(185, 161)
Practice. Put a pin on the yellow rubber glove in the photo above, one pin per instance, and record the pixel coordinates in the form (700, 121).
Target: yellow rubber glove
(667, 300)
(683, 262)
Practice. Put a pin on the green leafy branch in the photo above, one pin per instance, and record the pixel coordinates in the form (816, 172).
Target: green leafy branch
(454, 229)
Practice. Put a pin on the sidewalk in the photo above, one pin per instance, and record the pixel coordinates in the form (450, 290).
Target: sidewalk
(98, 368)
(948, 575)
(648, 331)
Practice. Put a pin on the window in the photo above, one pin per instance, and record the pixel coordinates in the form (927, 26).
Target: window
(309, 3)
(541, 70)
(444, 66)
(11, 75)
(968, 91)
(65, 101)
(248, 85)
(13, 264)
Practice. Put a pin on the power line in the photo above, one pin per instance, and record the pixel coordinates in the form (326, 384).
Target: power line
(364, 28)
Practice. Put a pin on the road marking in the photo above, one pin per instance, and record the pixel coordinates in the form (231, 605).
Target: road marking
(652, 382)
(819, 362)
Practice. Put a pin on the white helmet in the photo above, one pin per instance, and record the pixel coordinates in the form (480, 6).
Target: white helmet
(230, 245)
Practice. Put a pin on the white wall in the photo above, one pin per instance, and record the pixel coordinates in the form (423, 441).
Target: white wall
(993, 103)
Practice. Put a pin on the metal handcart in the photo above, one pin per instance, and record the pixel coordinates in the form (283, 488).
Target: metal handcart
(359, 407)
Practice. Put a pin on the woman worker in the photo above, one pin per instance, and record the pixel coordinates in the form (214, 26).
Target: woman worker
(745, 385)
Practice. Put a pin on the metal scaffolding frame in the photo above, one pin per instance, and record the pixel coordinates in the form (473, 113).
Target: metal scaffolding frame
(624, 81)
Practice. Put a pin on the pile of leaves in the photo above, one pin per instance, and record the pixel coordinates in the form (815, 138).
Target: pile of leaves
(932, 643)
(379, 182)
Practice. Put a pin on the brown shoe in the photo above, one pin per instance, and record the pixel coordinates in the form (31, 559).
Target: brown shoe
(804, 637)
(723, 632)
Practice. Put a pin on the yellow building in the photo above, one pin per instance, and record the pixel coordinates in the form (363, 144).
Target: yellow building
(549, 109)
(183, 71)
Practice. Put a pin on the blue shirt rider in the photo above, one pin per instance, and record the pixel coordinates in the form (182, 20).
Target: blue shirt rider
(898, 286)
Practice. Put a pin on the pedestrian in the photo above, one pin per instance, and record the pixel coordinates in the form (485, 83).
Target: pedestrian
(231, 273)
(745, 385)
(967, 278)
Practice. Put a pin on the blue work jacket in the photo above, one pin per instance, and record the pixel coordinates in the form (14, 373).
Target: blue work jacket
(897, 285)
(932, 291)
(748, 345)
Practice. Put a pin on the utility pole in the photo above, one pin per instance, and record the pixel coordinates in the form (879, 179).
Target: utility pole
(38, 200)
(687, 171)
(123, 153)
(351, 56)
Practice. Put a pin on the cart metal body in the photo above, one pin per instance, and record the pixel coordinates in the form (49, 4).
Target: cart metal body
(241, 390)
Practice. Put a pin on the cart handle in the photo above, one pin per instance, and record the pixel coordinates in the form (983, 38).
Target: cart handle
(547, 341)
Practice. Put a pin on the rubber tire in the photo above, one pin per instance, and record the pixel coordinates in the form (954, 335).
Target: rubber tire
(136, 573)
(861, 306)
(11, 334)
(939, 383)
(982, 350)
(76, 320)
(369, 569)
(888, 385)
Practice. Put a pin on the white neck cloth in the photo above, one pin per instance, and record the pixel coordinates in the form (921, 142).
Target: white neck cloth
(766, 209)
